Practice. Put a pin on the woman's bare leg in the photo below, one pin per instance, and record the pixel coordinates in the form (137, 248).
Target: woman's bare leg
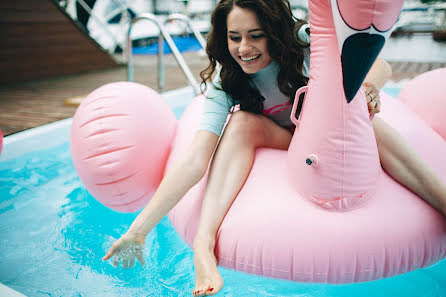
(404, 164)
(230, 167)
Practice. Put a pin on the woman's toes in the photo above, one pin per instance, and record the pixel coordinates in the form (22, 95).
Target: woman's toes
(199, 292)
(215, 287)
(211, 291)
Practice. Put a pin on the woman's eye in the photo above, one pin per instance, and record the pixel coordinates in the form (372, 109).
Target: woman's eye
(234, 38)
(258, 36)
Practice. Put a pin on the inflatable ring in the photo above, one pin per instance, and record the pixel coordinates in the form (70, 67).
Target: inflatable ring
(340, 219)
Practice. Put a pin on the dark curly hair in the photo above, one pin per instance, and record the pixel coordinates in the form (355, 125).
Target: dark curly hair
(277, 21)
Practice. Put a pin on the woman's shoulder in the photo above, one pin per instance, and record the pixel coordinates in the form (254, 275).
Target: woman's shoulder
(216, 93)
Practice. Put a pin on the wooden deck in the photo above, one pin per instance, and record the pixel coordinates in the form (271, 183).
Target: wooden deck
(31, 104)
(38, 39)
(38, 102)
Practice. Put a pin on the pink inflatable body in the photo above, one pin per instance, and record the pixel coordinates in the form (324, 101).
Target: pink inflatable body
(274, 231)
(120, 142)
(340, 219)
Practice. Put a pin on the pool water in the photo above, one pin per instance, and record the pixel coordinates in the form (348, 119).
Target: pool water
(54, 234)
(184, 44)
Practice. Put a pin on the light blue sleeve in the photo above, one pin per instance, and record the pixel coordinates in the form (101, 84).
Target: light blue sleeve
(216, 108)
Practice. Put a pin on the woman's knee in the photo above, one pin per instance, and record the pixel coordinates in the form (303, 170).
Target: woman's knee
(245, 127)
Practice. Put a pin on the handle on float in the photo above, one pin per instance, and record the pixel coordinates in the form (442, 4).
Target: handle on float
(295, 104)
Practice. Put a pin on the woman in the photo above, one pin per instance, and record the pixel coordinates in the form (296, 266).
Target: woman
(261, 70)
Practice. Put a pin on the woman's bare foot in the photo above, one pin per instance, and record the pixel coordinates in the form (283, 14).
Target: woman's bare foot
(208, 280)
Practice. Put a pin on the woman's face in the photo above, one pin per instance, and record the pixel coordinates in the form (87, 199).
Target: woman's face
(247, 42)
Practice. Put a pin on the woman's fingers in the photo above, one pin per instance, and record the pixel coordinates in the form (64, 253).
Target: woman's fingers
(140, 257)
(112, 250)
(131, 262)
(372, 97)
(370, 91)
(374, 105)
(125, 263)
(125, 251)
(378, 104)
(116, 260)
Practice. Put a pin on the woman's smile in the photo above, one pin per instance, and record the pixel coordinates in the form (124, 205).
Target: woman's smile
(250, 59)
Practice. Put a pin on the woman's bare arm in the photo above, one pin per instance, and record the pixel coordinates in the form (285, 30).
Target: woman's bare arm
(379, 74)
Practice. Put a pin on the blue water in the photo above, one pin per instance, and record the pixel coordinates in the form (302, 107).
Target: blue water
(392, 90)
(184, 44)
(53, 234)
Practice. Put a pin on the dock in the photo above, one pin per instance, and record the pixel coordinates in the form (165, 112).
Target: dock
(38, 102)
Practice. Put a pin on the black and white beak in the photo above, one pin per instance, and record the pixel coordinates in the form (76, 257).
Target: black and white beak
(362, 28)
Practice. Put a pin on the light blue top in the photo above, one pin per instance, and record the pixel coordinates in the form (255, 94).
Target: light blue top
(276, 105)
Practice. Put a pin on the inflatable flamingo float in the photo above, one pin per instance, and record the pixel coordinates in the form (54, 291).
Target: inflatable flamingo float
(323, 211)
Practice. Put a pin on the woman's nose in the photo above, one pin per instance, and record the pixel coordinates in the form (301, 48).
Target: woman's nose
(244, 46)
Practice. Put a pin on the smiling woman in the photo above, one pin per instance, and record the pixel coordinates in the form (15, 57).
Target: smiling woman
(247, 29)
(247, 41)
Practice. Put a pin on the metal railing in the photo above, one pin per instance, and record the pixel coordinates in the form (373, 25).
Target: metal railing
(124, 13)
(185, 19)
(164, 34)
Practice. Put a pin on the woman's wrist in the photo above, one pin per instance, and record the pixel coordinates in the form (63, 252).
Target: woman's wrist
(136, 234)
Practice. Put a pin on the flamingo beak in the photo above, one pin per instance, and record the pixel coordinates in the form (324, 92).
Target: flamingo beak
(358, 54)
(362, 28)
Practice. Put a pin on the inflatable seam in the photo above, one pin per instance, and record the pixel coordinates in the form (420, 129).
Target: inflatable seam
(101, 132)
(109, 152)
(103, 117)
(129, 202)
(341, 202)
(116, 181)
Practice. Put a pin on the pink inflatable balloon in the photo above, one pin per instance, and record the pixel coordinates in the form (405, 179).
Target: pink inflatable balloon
(120, 140)
(423, 96)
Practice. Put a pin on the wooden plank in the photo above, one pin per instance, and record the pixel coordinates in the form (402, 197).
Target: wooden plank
(35, 11)
(423, 67)
(436, 65)
(39, 40)
(396, 66)
(410, 67)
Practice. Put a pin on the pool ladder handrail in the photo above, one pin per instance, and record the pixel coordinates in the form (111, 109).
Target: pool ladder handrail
(164, 34)
(187, 20)
(124, 13)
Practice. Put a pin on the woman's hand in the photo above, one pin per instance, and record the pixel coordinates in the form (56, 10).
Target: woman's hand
(373, 99)
(126, 249)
